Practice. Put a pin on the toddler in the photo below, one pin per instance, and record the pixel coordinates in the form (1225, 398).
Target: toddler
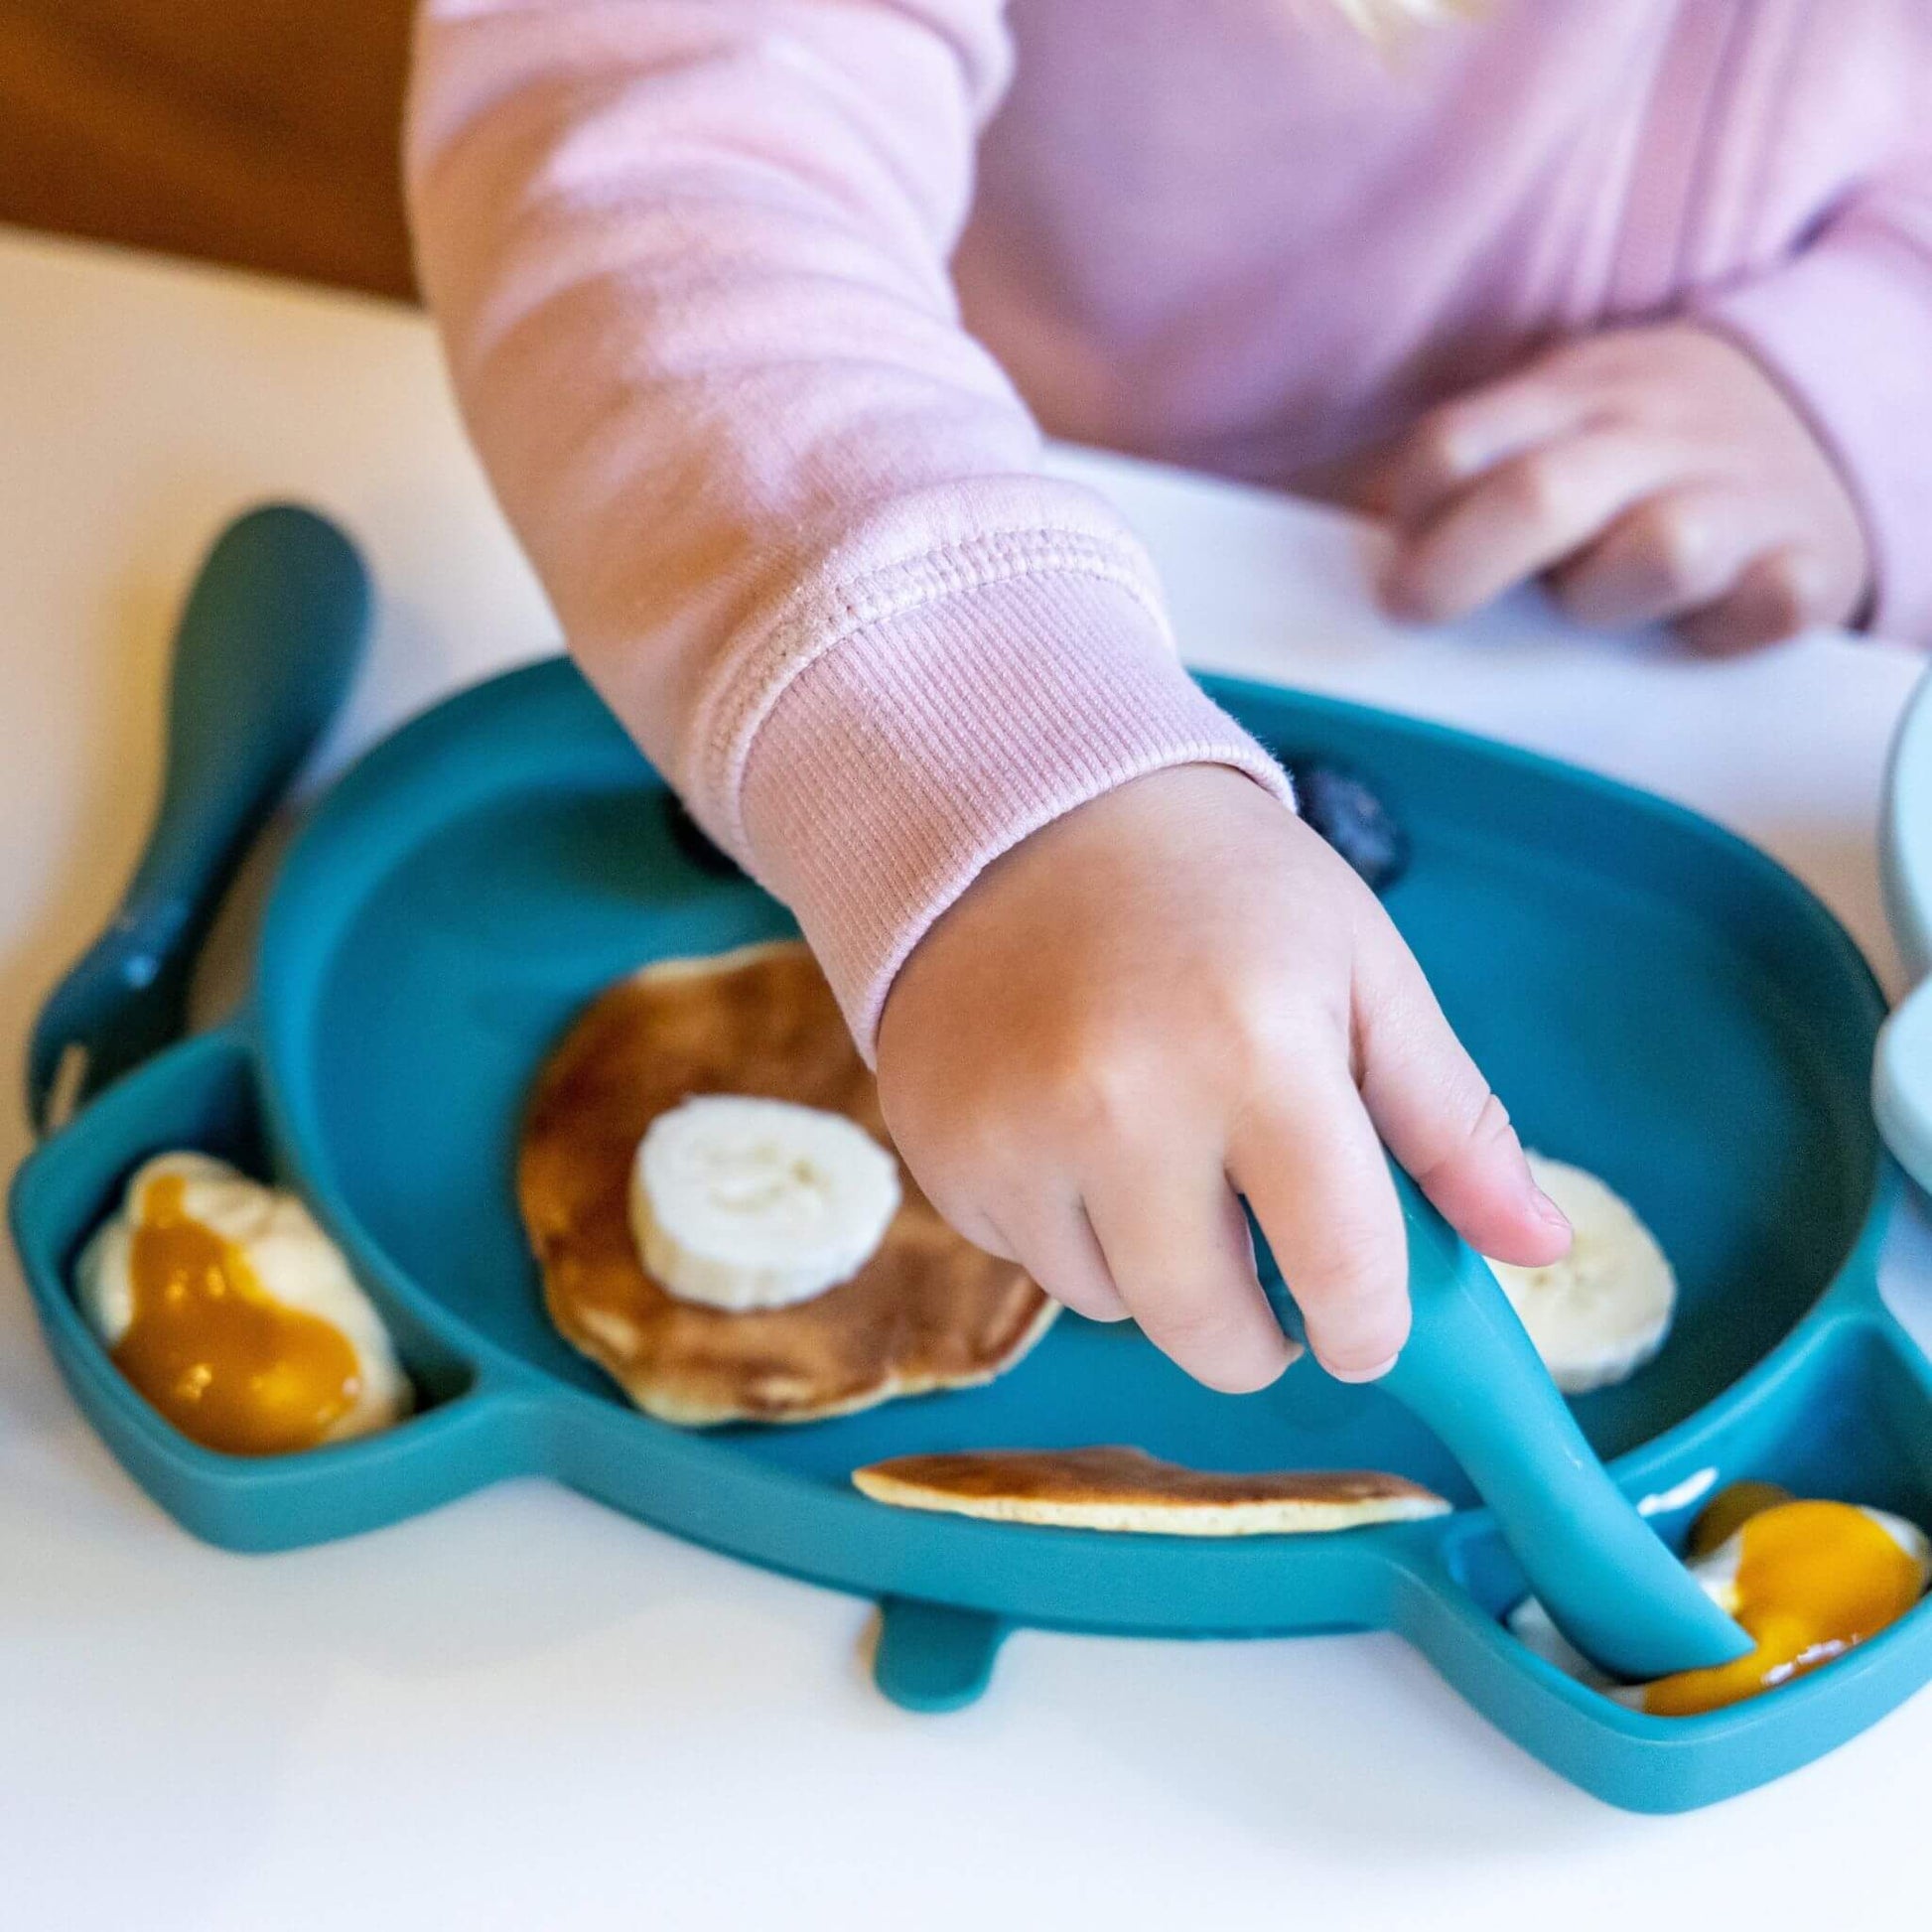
(757, 309)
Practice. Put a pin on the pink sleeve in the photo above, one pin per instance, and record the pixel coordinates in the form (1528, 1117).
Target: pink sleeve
(1845, 325)
(688, 257)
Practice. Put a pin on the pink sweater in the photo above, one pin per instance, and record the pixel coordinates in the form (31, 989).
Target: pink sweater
(743, 297)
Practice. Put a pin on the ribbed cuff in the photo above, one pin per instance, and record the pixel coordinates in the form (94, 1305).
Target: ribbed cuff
(903, 760)
(1846, 328)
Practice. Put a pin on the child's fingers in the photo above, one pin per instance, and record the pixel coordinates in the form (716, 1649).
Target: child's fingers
(1441, 1120)
(1055, 1243)
(1319, 1181)
(1773, 597)
(1177, 1245)
(1518, 519)
(1676, 551)
(1456, 443)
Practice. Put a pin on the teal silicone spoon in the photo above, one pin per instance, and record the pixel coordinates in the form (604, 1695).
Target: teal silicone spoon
(268, 645)
(1471, 1373)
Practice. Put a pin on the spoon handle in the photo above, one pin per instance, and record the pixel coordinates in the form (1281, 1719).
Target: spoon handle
(1470, 1373)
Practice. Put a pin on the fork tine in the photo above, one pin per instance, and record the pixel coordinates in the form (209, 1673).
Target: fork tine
(72, 1086)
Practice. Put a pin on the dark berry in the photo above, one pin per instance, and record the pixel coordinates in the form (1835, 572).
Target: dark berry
(689, 838)
(1353, 820)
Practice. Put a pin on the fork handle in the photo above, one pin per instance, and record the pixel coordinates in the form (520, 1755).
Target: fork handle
(267, 644)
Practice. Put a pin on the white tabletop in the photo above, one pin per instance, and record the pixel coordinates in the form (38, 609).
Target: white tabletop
(524, 1712)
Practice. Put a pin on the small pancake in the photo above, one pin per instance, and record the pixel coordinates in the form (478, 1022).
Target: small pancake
(1128, 1489)
(928, 1311)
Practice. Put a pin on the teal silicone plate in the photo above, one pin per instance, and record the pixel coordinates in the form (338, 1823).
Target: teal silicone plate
(1653, 999)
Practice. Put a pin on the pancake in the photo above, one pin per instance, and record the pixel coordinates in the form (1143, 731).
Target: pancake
(1125, 1490)
(928, 1311)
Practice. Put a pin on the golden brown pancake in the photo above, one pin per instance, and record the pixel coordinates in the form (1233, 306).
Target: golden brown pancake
(1128, 1489)
(928, 1311)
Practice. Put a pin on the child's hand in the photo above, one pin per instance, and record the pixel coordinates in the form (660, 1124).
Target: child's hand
(1175, 992)
(1645, 473)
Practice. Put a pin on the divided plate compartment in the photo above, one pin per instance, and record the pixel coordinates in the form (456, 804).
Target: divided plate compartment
(1654, 999)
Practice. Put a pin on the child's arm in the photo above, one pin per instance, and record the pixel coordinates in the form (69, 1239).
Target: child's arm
(1753, 469)
(689, 260)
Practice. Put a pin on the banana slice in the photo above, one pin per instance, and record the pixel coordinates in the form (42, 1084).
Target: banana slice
(1600, 1313)
(742, 1204)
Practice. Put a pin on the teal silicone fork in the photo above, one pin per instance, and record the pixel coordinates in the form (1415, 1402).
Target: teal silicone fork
(266, 647)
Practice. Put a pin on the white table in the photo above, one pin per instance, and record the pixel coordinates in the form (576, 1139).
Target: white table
(526, 1713)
